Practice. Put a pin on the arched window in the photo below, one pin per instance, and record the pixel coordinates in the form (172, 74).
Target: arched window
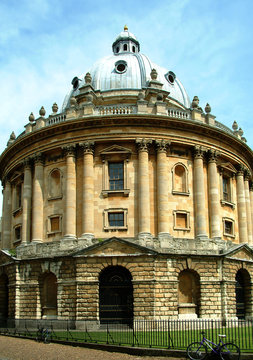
(4, 296)
(188, 294)
(55, 184)
(125, 47)
(133, 48)
(243, 294)
(180, 179)
(116, 295)
(48, 295)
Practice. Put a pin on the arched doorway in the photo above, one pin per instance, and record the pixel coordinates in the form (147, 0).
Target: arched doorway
(48, 295)
(242, 293)
(115, 295)
(188, 294)
(4, 296)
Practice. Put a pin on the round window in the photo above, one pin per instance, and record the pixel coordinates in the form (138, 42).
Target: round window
(170, 76)
(120, 66)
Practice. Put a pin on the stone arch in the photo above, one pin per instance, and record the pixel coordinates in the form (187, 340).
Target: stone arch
(55, 184)
(180, 178)
(243, 295)
(48, 295)
(188, 294)
(4, 296)
(115, 295)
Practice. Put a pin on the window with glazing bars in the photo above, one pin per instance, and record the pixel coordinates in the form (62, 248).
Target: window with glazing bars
(116, 219)
(226, 189)
(116, 175)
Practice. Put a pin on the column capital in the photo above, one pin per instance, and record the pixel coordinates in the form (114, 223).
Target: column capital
(38, 158)
(87, 147)
(143, 144)
(212, 155)
(198, 152)
(162, 145)
(69, 150)
(247, 175)
(240, 170)
(27, 163)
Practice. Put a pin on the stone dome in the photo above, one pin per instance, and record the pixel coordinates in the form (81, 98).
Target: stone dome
(128, 69)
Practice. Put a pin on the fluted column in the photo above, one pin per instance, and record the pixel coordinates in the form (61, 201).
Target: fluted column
(242, 213)
(143, 189)
(248, 208)
(7, 216)
(27, 203)
(162, 187)
(88, 190)
(199, 193)
(70, 202)
(213, 194)
(37, 204)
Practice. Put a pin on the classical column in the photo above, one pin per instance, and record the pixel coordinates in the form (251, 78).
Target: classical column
(162, 187)
(7, 216)
(248, 207)
(27, 202)
(213, 194)
(88, 190)
(70, 202)
(199, 193)
(143, 189)
(37, 203)
(241, 205)
(251, 208)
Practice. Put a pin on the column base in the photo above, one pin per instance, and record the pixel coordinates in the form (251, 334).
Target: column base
(69, 237)
(165, 239)
(86, 239)
(202, 237)
(145, 239)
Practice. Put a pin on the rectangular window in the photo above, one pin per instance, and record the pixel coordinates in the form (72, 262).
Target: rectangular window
(55, 224)
(228, 227)
(226, 189)
(116, 175)
(181, 220)
(116, 219)
(17, 233)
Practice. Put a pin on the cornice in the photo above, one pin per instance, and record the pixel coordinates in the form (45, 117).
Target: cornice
(130, 120)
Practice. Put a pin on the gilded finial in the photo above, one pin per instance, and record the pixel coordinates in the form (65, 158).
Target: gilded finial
(125, 28)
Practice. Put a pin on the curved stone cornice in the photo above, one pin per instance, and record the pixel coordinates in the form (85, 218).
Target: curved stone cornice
(190, 128)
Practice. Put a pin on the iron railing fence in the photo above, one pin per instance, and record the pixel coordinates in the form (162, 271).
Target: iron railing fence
(175, 334)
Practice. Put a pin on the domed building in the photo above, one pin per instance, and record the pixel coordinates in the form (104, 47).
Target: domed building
(130, 203)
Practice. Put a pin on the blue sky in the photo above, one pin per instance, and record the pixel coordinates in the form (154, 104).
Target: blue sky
(45, 43)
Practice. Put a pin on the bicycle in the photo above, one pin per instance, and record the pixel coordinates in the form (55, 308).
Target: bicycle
(43, 335)
(225, 351)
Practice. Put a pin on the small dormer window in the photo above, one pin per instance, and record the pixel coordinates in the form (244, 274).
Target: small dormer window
(75, 82)
(121, 66)
(125, 47)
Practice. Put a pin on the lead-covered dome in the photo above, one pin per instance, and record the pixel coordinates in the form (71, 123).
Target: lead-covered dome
(128, 69)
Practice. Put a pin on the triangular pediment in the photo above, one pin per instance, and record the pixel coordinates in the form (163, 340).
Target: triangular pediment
(115, 247)
(5, 258)
(115, 149)
(228, 166)
(240, 252)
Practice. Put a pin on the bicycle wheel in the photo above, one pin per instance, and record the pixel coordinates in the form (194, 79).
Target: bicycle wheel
(230, 351)
(196, 351)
